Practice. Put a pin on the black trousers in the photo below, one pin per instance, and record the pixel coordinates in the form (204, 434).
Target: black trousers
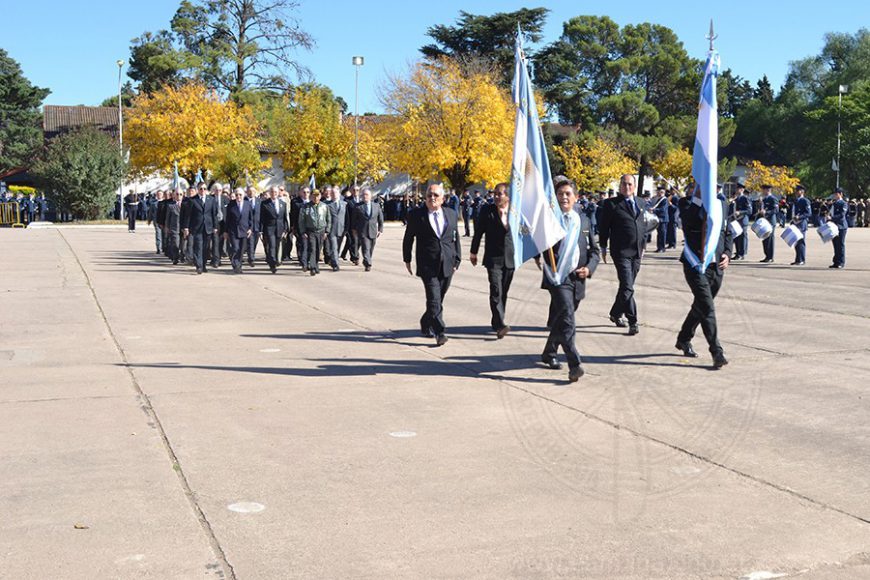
(436, 289)
(562, 326)
(368, 246)
(500, 279)
(315, 245)
(235, 247)
(172, 245)
(158, 237)
(332, 249)
(800, 250)
(769, 243)
(214, 247)
(626, 270)
(465, 223)
(672, 234)
(301, 250)
(287, 247)
(251, 247)
(131, 218)
(199, 241)
(661, 236)
(704, 289)
(839, 244)
(741, 243)
(351, 244)
(271, 243)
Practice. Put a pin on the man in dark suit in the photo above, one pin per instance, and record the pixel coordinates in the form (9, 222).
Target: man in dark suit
(296, 205)
(567, 283)
(200, 222)
(351, 244)
(172, 225)
(800, 217)
(273, 227)
(160, 219)
(151, 216)
(438, 255)
(214, 241)
(621, 228)
(131, 205)
(238, 226)
(368, 225)
(704, 285)
(251, 245)
(498, 259)
(338, 211)
(660, 209)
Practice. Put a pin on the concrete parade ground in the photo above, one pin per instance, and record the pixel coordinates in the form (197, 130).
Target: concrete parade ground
(159, 424)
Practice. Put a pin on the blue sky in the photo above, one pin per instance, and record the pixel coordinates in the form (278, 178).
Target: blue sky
(71, 47)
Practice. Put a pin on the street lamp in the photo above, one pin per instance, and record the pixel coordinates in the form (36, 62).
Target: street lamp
(120, 64)
(841, 90)
(357, 61)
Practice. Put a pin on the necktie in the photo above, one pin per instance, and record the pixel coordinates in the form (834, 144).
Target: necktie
(631, 207)
(437, 224)
(368, 210)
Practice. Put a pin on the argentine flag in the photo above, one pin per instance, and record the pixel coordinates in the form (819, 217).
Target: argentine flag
(704, 165)
(176, 181)
(534, 217)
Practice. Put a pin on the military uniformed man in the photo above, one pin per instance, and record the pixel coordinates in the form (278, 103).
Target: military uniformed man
(315, 220)
(802, 212)
(660, 209)
(131, 205)
(770, 212)
(839, 213)
(742, 211)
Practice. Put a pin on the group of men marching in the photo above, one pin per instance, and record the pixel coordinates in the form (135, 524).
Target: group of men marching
(205, 226)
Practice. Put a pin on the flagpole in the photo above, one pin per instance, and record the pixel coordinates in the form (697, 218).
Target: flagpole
(712, 36)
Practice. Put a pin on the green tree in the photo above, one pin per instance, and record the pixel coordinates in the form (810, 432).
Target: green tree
(764, 92)
(20, 119)
(127, 95)
(636, 83)
(80, 171)
(738, 92)
(487, 38)
(156, 62)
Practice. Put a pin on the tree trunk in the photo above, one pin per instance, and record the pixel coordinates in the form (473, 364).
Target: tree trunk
(644, 167)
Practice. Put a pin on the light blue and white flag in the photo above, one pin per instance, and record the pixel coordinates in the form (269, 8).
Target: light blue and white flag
(534, 214)
(176, 181)
(198, 178)
(311, 184)
(704, 165)
(569, 253)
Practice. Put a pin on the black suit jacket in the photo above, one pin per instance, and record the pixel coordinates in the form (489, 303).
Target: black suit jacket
(273, 219)
(694, 220)
(588, 255)
(624, 233)
(368, 226)
(172, 217)
(201, 216)
(239, 219)
(435, 257)
(499, 242)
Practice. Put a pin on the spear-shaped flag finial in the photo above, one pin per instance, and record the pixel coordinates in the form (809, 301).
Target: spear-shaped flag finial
(712, 36)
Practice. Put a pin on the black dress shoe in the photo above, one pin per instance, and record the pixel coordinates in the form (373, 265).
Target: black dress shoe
(633, 329)
(620, 322)
(764, 261)
(687, 349)
(719, 360)
(368, 268)
(440, 340)
(575, 374)
(425, 333)
(273, 269)
(551, 362)
(199, 270)
(313, 272)
(500, 334)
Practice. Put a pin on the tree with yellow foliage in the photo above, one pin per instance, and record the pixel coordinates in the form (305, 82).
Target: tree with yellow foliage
(194, 127)
(449, 120)
(675, 167)
(595, 166)
(373, 148)
(306, 129)
(780, 178)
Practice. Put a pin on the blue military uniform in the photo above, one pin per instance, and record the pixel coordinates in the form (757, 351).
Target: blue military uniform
(660, 208)
(770, 211)
(802, 212)
(839, 213)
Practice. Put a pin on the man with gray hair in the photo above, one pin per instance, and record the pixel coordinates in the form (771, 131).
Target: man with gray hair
(368, 224)
(338, 210)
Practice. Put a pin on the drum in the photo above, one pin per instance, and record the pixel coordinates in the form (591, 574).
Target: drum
(828, 231)
(762, 228)
(650, 221)
(736, 228)
(792, 235)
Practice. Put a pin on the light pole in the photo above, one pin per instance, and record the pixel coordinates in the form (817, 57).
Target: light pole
(120, 64)
(841, 90)
(358, 61)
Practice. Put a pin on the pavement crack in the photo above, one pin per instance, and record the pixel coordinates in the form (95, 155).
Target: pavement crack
(151, 413)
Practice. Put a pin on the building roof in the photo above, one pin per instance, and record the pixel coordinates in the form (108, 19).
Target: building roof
(59, 119)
